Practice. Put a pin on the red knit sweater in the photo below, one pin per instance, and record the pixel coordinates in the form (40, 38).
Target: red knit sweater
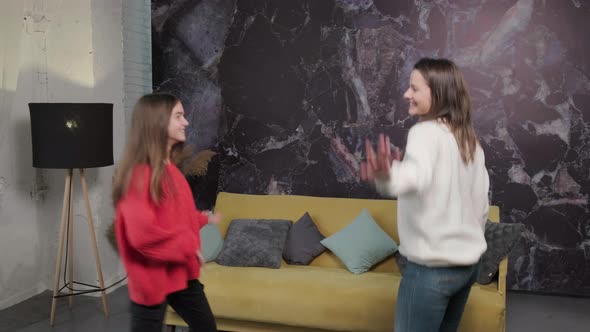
(158, 243)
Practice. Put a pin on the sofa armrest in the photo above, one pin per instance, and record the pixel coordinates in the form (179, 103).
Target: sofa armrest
(502, 272)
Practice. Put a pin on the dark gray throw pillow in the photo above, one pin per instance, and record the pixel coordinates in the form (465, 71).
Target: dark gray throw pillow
(303, 242)
(254, 243)
(500, 238)
(401, 262)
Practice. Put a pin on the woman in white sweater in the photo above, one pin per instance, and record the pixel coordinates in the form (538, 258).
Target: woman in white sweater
(442, 189)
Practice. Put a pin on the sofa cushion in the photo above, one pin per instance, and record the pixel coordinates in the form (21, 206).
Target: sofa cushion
(500, 238)
(303, 242)
(307, 296)
(361, 244)
(211, 242)
(326, 298)
(254, 242)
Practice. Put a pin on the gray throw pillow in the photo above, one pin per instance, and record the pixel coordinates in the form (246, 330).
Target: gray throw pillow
(500, 238)
(303, 242)
(254, 243)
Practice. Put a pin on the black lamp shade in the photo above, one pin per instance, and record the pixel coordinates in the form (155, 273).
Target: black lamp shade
(72, 135)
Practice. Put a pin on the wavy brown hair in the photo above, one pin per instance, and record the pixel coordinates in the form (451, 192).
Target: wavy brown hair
(147, 144)
(450, 102)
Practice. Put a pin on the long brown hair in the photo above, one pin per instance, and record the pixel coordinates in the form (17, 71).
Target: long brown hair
(450, 102)
(147, 144)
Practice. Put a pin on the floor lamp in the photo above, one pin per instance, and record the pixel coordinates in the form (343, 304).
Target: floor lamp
(72, 136)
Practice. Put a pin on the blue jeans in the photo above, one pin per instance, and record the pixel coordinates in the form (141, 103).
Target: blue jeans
(432, 299)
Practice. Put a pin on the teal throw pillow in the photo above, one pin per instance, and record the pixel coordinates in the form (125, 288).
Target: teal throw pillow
(361, 244)
(211, 242)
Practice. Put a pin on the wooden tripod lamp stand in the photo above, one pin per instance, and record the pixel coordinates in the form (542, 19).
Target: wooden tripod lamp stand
(72, 136)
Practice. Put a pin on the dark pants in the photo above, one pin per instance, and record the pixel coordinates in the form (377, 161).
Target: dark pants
(190, 304)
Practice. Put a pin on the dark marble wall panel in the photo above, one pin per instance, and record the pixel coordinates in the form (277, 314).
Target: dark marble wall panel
(187, 42)
(287, 91)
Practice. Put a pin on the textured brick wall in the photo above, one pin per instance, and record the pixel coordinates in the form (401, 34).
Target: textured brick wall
(137, 51)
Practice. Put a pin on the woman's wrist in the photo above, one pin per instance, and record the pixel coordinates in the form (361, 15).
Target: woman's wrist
(208, 214)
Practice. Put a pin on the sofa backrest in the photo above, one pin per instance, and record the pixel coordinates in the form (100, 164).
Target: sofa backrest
(329, 214)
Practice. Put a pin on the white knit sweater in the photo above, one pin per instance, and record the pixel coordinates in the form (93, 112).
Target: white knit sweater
(442, 203)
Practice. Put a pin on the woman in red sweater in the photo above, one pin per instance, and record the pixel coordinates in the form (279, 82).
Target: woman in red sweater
(157, 224)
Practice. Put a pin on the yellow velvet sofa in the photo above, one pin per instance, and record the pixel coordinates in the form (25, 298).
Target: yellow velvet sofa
(324, 296)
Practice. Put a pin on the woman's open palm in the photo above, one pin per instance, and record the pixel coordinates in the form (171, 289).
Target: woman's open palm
(378, 164)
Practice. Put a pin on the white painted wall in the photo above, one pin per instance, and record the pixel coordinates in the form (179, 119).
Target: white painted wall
(57, 51)
(21, 244)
